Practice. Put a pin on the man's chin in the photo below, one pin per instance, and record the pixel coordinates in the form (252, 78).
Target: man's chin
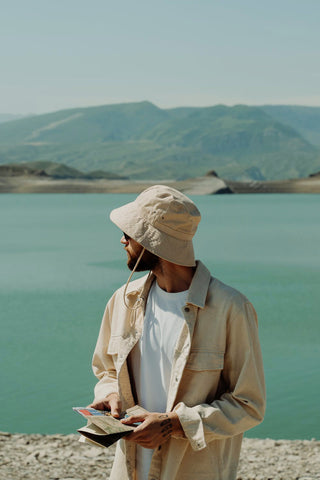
(148, 262)
(140, 268)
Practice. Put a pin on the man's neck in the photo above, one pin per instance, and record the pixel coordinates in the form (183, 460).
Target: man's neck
(173, 278)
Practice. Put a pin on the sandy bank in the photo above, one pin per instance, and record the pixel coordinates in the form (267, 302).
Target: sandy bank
(206, 185)
(62, 457)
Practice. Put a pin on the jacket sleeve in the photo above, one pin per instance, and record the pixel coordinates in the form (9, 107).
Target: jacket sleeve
(102, 363)
(242, 405)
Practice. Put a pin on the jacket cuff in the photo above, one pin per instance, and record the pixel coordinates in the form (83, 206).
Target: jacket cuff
(102, 390)
(192, 425)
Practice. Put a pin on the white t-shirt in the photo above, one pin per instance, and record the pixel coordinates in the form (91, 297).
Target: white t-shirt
(151, 358)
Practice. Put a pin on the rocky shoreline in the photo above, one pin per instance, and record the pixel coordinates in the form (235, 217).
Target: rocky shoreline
(62, 457)
(206, 185)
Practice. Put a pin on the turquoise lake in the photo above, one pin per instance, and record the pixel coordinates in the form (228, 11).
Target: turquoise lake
(60, 260)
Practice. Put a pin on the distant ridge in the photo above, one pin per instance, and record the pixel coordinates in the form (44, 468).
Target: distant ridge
(8, 117)
(142, 141)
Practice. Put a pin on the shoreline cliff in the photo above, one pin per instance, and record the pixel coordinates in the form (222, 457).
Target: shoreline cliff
(206, 185)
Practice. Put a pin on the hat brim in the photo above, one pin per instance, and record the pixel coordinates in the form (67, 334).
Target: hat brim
(152, 239)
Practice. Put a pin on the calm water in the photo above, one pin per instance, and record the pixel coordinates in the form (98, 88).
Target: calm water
(60, 260)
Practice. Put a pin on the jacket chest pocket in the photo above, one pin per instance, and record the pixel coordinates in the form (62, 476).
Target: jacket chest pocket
(114, 345)
(201, 377)
(202, 360)
(115, 349)
(119, 348)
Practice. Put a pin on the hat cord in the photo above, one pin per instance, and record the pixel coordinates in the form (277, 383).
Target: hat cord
(139, 299)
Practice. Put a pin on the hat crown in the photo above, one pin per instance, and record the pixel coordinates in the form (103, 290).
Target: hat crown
(170, 211)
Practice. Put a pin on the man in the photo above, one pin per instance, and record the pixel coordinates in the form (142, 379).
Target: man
(182, 345)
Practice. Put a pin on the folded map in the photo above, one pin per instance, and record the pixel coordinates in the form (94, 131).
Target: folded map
(102, 428)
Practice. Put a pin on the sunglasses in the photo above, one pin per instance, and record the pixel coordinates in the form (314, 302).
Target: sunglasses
(126, 237)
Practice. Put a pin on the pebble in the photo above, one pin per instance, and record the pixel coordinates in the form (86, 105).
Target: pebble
(63, 457)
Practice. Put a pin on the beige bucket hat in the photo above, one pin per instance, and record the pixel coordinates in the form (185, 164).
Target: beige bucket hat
(163, 220)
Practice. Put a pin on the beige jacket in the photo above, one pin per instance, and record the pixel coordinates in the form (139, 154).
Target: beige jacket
(217, 382)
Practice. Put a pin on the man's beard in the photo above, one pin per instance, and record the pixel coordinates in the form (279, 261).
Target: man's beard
(148, 261)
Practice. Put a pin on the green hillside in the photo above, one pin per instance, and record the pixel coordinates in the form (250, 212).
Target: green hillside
(142, 141)
(305, 120)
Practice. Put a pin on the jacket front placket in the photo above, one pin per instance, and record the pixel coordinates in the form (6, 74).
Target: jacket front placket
(130, 338)
(127, 343)
(196, 299)
(182, 352)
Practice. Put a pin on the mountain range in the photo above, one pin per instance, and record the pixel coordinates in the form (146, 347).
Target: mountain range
(142, 141)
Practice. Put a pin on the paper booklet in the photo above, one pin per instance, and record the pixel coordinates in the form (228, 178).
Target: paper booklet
(102, 428)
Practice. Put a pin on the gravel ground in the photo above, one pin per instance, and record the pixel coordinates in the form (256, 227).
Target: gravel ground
(62, 457)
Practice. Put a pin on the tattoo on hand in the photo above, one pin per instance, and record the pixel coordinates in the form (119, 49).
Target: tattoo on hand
(166, 428)
(166, 425)
(165, 422)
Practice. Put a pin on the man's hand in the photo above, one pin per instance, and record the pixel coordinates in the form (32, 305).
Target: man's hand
(155, 428)
(111, 403)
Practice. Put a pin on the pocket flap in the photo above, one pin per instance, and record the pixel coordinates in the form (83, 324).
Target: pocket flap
(113, 347)
(205, 360)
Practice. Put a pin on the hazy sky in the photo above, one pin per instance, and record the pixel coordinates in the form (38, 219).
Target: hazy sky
(68, 53)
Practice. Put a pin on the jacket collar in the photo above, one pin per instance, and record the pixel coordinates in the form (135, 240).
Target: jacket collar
(197, 291)
(199, 286)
